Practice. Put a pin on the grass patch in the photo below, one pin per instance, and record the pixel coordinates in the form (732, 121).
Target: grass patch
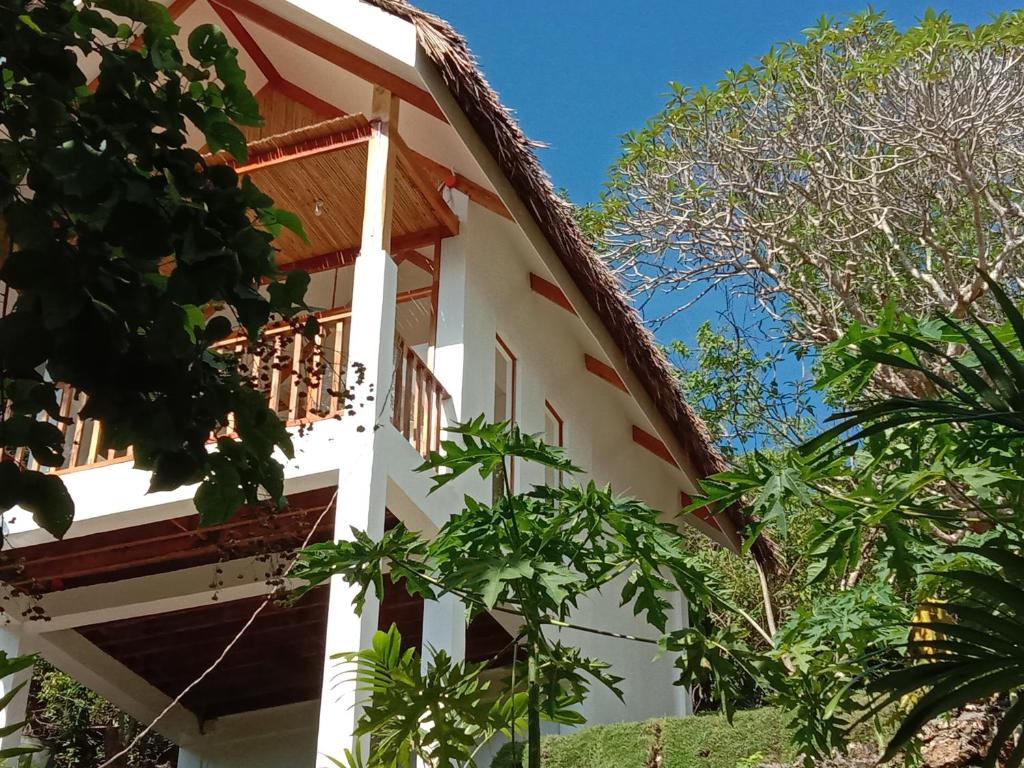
(703, 741)
(708, 741)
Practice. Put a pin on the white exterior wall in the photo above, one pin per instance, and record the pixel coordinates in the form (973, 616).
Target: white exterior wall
(549, 344)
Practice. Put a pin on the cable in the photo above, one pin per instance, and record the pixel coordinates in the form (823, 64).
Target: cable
(231, 644)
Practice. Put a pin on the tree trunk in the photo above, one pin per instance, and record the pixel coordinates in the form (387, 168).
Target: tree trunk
(532, 709)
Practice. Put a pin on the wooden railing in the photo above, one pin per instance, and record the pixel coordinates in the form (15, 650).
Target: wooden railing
(304, 382)
(418, 400)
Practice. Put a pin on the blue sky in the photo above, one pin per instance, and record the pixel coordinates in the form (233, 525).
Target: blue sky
(580, 73)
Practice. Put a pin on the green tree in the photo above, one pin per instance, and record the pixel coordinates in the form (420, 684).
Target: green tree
(77, 727)
(532, 555)
(917, 504)
(117, 234)
(861, 165)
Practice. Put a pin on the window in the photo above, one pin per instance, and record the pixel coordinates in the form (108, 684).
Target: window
(504, 398)
(554, 434)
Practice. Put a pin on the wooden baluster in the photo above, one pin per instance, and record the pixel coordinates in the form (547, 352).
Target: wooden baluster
(275, 376)
(314, 374)
(437, 419)
(94, 443)
(396, 410)
(417, 422)
(428, 423)
(62, 425)
(295, 376)
(407, 396)
(336, 376)
(76, 442)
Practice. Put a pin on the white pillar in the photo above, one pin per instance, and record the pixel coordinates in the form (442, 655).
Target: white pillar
(362, 477)
(679, 618)
(444, 627)
(188, 759)
(14, 642)
(449, 345)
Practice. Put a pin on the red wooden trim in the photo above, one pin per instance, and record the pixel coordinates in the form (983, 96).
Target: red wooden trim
(702, 513)
(262, 61)
(324, 261)
(558, 419)
(604, 371)
(416, 259)
(512, 408)
(653, 444)
(551, 292)
(447, 176)
(338, 56)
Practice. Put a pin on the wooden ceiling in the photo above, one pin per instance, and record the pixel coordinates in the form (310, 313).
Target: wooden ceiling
(278, 660)
(164, 546)
(316, 169)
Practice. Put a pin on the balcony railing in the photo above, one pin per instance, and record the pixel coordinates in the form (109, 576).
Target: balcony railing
(419, 400)
(303, 381)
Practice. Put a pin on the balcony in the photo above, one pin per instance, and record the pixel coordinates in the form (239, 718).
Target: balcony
(320, 171)
(303, 383)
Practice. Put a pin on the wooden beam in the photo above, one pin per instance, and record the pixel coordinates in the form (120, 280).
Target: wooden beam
(300, 150)
(435, 296)
(338, 56)
(307, 99)
(413, 294)
(325, 261)
(417, 259)
(437, 204)
(379, 199)
(646, 440)
(249, 45)
(551, 292)
(604, 371)
(478, 194)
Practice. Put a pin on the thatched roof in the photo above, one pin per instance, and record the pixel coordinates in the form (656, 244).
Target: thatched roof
(503, 137)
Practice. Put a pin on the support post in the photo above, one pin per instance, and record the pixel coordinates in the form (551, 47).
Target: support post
(452, 290)
(14, 642)
(362, 477)
(187, 759)
(444, 627)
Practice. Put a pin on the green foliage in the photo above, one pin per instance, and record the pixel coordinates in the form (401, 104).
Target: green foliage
(738, 391)
(79, 728)
(701, 741)
(11, 665)
(535, 555)
(916, 502)
(828, 177)
(439, 715)
(971, 654)
(115, 235)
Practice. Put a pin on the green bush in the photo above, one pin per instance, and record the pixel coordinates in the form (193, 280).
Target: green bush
(702, 741)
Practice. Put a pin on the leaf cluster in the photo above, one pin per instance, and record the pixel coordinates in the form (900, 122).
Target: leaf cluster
(128, 254)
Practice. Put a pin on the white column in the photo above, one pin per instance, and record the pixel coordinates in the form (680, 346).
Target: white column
(188, 759)
(362, 477)
(14, 642)
(444, 627)
(450, 347)
(679, 618)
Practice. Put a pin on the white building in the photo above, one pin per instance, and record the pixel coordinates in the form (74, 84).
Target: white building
(391, 146)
